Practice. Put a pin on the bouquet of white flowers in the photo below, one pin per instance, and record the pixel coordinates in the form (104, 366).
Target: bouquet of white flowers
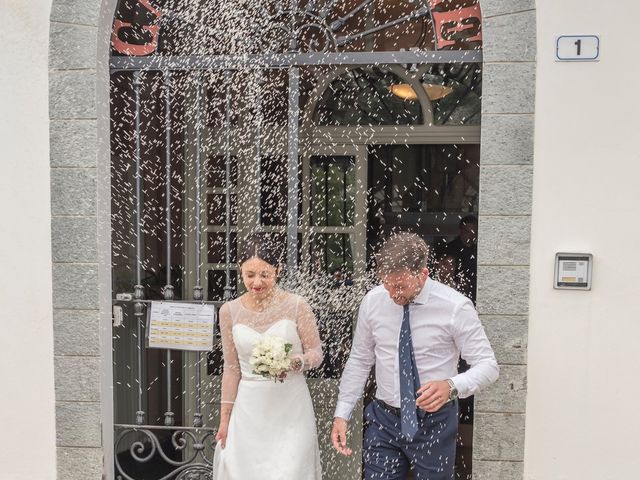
(270, 358)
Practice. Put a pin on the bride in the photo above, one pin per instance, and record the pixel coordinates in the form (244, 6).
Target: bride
(267, 428)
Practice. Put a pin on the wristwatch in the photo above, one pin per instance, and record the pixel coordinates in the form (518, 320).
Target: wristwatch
(453, 391)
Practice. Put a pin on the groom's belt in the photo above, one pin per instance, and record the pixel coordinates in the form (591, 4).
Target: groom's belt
(396, 410)
(388, 408)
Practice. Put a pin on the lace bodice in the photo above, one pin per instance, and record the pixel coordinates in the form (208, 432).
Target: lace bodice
(289, 317)
(245, 338)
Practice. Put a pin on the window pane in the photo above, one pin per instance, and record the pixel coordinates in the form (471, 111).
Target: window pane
(457, 89)
(216, 171)
(331, 253)
(273, 190)
(274, 96)
(216, 210)
(363, 97)
(215, 104)
(216, 280)
(332, 190)
(425, 189)
(216, 247)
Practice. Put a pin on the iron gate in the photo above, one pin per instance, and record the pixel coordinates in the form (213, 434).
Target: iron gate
(169, 215)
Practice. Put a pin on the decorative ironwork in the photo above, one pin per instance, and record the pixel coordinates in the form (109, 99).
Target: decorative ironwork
(289, 30)
(309, 30)
(283, 35)
(193, 445)
(287, 27)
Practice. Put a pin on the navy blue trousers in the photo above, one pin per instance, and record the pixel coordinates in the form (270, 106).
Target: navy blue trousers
(430, 455)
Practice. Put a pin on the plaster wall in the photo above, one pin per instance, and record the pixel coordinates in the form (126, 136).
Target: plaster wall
(581, 421)
(27, 411)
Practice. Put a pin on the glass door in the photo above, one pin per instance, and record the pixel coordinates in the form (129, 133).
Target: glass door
(333, 252)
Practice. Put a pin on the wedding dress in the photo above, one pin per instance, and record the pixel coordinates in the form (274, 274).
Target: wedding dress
(272, 429)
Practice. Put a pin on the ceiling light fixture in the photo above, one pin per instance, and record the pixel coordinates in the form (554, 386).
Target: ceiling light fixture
(406, 92)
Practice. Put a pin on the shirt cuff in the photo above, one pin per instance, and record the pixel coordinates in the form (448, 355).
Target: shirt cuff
(343, 410)
(462, 385)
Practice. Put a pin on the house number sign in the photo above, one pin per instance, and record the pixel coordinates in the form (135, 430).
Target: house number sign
(578, 48)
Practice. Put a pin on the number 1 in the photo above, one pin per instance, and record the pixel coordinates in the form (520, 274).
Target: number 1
(578, 43)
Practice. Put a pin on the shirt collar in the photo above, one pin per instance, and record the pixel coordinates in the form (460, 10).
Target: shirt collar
(423, 296)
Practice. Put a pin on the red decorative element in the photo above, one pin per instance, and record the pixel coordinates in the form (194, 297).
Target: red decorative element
(456, 26)
(131, 48)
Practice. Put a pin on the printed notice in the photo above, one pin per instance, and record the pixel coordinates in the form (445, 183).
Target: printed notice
(181, 326)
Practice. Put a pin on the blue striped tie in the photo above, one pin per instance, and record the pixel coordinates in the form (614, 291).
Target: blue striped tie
(409, 380)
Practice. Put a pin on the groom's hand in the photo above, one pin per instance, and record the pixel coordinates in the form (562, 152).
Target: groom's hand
(433, 395)
(339, 436)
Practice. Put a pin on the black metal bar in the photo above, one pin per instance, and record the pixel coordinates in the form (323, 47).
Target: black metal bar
(326, 9)
(168, 415)
(198, 290)
(137, 84)
(126, 426)
(284, 60)
(168, 288)
(197, 416)
(433, 24)
(411, 16)
(340, 22)
(293, 41)
(260, 81)
(140, 414)
(292, 168)
(227, 184)
(143, 301)
(138, 307)
(311, 5)
(345, 219)
(325, 168)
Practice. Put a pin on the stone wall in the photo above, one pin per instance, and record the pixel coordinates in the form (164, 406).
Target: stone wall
(72, 64)
(506, 174)
(505, 210)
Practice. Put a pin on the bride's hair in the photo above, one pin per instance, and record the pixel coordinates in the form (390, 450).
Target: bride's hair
(266, 246)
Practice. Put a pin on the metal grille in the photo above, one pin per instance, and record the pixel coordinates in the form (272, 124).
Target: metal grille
(158, 189)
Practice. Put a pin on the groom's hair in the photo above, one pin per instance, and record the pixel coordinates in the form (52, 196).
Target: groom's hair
(402, 251)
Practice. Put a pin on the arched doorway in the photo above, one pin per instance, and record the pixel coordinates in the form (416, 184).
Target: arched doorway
(316, 121)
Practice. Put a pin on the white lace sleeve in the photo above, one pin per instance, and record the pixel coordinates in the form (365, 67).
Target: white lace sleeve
(231, 372)
(308, 333)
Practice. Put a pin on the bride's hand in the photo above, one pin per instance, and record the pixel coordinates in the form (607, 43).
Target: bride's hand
(221, 436)
(297, 363)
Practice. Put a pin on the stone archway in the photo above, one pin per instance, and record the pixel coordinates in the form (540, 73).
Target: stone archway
(79, 37)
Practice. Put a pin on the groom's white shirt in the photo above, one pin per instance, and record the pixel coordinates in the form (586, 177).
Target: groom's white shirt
(444, 325)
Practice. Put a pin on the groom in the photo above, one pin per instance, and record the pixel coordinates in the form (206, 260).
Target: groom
(413, 329)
